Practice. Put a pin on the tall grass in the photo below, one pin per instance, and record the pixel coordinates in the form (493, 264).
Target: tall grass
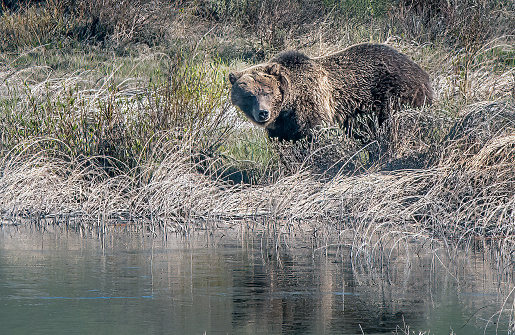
(130, 127)
(119, 115)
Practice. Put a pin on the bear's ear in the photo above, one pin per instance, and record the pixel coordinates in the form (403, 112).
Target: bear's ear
(233, 77)
(274, 69)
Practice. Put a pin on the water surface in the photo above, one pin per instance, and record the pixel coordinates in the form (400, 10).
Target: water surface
(131, 283)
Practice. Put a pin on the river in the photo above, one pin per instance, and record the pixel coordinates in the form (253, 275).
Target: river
(127, 281)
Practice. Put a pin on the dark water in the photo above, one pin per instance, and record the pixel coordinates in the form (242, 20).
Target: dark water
(64, 282)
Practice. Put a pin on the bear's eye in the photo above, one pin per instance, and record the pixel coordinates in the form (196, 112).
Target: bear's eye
(249, 100)
(249, 95)
(252, 100)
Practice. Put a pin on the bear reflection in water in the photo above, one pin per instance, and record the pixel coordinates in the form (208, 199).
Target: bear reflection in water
(293, 93)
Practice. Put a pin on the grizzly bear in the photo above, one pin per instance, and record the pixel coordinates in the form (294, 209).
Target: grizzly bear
(293, 93)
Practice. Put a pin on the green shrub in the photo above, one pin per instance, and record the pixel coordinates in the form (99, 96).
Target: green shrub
(116, 117)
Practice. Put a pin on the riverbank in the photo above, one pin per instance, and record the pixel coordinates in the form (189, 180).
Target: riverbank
(101, 129)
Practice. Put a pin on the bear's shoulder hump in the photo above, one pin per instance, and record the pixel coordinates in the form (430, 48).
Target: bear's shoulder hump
(290, 58)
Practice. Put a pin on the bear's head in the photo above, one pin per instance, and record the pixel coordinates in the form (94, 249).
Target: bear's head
(259, 92)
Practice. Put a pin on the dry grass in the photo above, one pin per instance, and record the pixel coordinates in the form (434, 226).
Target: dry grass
(140, 137)
(460, 181)
(470, 196)
(124, 120)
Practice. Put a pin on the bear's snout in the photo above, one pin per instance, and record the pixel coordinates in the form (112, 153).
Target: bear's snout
(261, 112)
(262, 116)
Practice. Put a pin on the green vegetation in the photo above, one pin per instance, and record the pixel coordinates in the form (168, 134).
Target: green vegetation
(117, 113)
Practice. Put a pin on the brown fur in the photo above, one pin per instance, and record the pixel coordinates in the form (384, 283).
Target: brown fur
(293, 93)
